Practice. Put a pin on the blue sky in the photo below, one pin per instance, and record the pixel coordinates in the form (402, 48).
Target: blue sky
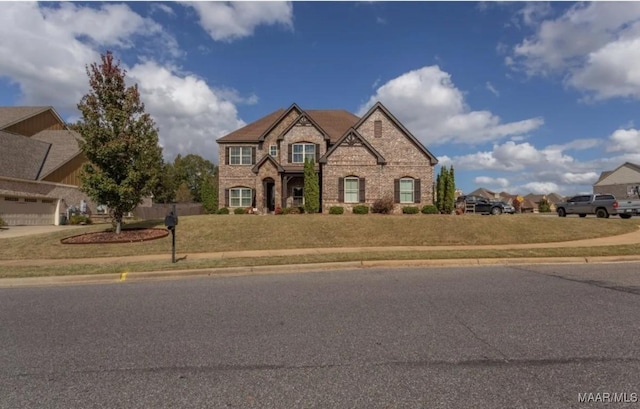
(523, 97)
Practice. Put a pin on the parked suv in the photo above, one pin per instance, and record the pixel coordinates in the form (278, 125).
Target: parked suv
(482, 205)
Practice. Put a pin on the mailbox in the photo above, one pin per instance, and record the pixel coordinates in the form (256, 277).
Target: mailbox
(171, 221)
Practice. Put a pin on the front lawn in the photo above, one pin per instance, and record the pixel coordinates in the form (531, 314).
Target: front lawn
(217, 233)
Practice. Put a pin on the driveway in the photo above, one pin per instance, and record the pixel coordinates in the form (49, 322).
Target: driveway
(18, 231)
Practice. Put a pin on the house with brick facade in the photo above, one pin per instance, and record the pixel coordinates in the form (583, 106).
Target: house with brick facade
(358, 160)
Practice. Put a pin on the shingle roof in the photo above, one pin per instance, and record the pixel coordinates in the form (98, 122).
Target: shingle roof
(252, 131)
(486, 193)
(22, 157)
(335, 122)
(11, 115)
(64, 146)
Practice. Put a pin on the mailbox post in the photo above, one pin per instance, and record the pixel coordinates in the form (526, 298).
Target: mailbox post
(171, 221)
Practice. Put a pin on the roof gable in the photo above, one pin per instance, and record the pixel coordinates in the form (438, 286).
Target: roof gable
(353, 138)
(23, 157)
(266, 158)
(64, 147)
(602, 181)
(303, 119)
(378, 106)
(486, 193)
(12, 115)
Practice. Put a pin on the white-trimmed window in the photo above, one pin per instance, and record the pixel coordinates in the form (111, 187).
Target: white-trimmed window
(240, 155)
(406, 190)
(273, 151)
(240, 197)
(302, 152)
(351, 190)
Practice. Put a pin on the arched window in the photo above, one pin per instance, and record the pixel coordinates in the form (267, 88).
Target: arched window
(351, 189)
(407, 190)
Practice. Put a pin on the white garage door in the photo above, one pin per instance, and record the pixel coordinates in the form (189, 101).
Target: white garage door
(18, 211)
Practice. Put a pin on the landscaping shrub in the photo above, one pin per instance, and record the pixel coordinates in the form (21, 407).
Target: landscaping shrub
(336, 210)
(429, 209)
(223, 210)
(384, 205)
(238, 210)
(361, 209)
(278, 210)
(1, 222)
(293, 210)
(410, 210)
(80, 219)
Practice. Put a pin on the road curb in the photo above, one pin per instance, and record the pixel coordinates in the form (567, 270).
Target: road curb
(129, 277)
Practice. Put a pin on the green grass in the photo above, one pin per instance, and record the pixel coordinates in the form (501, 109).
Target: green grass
(165, 265)
(217, 233)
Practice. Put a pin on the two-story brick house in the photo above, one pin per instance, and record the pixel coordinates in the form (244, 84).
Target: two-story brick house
(358, 160)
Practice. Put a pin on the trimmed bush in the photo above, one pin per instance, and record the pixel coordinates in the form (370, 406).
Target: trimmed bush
(223, 210)
(384, 205)
(80, 219)
(238, 210)
(336, 210)
(361, 209)
(410, 210)
(429, 209)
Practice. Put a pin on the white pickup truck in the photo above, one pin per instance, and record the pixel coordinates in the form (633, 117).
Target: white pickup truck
(600, 205)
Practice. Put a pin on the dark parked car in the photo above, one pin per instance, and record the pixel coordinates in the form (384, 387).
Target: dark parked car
(482, 205)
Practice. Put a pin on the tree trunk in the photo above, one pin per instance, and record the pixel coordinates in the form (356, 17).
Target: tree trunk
(117, 221)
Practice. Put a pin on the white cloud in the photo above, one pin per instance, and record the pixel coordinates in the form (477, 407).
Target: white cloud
(594, 46)
(434, 110)
(545, 170)
(492, 89)
(489, 181)
(540, 188)
(45, 50)
(188, 112)
(624, 140)
(227, 21)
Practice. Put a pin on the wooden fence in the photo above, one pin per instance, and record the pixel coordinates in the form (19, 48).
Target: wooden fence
(159, 211)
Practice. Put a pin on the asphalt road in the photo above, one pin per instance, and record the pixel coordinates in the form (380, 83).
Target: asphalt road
(482, 337)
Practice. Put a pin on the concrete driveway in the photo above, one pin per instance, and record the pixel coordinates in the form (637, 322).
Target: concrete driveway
(18, 231)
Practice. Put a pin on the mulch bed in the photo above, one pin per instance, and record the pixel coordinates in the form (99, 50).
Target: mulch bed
(125, 236)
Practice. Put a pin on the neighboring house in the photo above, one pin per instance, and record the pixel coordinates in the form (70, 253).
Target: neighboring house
(552, 198)
(358, 160)
(622, 182)
(40, 160)
(486, 193)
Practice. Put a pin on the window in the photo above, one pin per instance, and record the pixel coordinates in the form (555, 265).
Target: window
(406, 191)
(47, 200)
(240, 197)
(240, 155)
(303, 151)
(351, 188)
(11, 199)
(28, 200)
(273, 150)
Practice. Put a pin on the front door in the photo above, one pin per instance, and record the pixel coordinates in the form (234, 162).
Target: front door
(270, 195)
(298, 196)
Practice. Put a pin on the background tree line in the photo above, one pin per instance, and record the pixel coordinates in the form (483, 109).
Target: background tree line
(189, 178)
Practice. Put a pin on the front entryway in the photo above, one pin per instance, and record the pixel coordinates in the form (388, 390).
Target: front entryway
(270, 194)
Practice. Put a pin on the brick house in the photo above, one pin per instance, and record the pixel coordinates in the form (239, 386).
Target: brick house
(358, 160)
